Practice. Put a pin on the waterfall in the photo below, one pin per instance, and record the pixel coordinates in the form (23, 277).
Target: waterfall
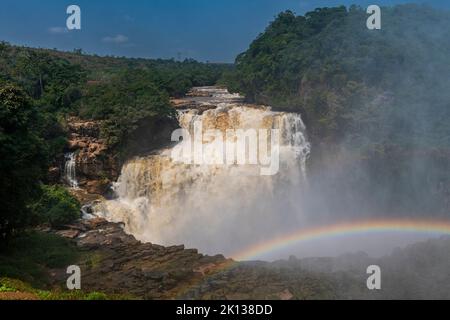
(69, 170)
(214, 207)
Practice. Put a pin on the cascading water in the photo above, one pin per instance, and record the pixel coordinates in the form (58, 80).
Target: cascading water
(69, 170)
(214, 207)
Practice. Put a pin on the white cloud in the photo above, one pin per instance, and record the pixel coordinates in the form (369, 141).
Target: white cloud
(118, 39)
(57, 30)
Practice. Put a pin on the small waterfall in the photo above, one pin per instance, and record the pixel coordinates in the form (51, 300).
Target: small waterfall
(69, 170)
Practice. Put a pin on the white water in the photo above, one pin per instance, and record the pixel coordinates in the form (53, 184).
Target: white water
(215, 208)
(69, 170)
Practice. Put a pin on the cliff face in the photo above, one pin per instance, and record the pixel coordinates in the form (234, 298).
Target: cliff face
(96, 165)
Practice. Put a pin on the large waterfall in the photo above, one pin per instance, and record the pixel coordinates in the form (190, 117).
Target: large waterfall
(217, 208)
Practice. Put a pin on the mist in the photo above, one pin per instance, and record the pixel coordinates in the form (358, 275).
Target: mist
(393, 159)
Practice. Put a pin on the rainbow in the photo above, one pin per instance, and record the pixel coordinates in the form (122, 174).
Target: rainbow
(416, 226)
(432, 227)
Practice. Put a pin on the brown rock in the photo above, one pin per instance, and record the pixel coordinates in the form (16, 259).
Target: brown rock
(286, 295)
(95, 223)
(81, 144)
(205, 269)
(94, 161)
(97, 186)
(70, 234)
(18, 296)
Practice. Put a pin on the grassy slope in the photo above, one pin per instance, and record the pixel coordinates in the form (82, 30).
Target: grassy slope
(26, 265)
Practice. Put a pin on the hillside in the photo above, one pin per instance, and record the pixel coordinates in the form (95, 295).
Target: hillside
(375, 101)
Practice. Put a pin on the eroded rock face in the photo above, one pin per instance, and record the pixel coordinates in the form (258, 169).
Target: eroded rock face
(96, 165)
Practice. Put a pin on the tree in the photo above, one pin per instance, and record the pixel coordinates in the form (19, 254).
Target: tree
(55, 206)
(23, 159)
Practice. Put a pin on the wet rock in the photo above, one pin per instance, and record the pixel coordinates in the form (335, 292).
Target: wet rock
(98, 186)
(95, 223)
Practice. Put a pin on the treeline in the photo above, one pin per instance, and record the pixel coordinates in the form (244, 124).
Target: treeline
(40, 88)
(377, 100)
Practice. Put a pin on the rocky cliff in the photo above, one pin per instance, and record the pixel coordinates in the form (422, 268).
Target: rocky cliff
(116, 263)
(96, 165)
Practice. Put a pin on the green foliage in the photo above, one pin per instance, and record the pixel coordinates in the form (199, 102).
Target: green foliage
(96, 296)
(5, 288)
(35, 88)
(177, 78)
(28, 256)
(56, 206)
(123, 101)
(78, 295)
(120, 91)
(23, 158)
(345, 78)
(55, 83)
(18, 286)
(140, 91)
(378, 97)
(26, 261)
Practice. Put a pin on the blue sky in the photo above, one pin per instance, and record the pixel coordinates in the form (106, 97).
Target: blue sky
(206, 30)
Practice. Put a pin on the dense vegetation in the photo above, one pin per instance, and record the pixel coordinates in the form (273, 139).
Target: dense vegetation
(27, 262)
(29, 256)
(24, 156)
(40, 89)
(377, 100)
(55, 206)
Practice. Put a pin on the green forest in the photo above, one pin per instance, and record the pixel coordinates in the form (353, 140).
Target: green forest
(377, 98)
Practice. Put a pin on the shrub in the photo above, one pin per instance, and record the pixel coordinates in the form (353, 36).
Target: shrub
(96, 296)
(56, 206)
(29, 254)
